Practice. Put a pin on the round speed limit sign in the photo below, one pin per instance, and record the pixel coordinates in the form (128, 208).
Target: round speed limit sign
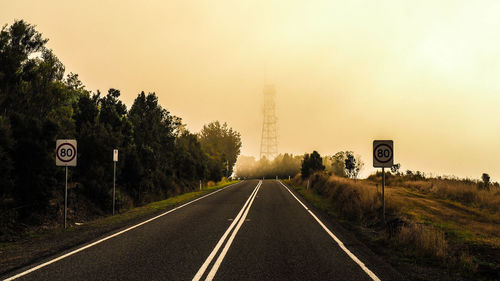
(66, 153)
(383, 153)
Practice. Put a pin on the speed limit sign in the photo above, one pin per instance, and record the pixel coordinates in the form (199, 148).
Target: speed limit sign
(383, 153)
(66, 153)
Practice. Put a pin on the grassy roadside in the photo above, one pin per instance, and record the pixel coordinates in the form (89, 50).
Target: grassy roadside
(155, 207)
(425, 237)
(36, 245)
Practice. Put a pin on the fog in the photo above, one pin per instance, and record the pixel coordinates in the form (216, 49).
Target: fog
(424, 74)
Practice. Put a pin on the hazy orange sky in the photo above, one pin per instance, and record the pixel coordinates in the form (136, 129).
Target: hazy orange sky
(423, 73)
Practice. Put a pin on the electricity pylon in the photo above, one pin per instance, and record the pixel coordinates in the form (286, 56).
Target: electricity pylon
(269, 140)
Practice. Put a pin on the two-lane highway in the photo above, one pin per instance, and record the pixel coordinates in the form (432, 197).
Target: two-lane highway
(253, 230)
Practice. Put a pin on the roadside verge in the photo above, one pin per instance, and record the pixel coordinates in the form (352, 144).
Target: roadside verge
(38, 246)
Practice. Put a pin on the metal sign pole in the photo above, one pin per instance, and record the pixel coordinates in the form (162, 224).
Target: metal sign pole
(200, 185)
(114, 185)
(66, 155)
(383, 193)
(66, 198)
(383, 157)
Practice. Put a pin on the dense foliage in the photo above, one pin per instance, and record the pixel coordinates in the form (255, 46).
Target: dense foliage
(223, 146)
(38, 105)
(311, 163)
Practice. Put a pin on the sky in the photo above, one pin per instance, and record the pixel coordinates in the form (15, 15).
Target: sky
(425, 74)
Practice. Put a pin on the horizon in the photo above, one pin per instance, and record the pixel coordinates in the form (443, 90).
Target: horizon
(422, 74)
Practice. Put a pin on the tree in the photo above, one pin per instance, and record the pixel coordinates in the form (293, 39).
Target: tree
(352, 165)
(154, 140)
(102, 126)
(337, 166)
(395, 168)
(486, 181)
(17, 43)
(221, 143)
(190, 160)
(311, 163)
(283, 166)
(158, 156)
(37, 105)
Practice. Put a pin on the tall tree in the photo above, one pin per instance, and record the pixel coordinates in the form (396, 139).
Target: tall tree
(190, 160)
(38, 106)
(311, 163)
(353, 164)
(102, 126)
(486, 181)
(154, 138)
(222, 144)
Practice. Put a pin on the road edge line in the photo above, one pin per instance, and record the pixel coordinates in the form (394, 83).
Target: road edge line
(337, 240)
(35, 268)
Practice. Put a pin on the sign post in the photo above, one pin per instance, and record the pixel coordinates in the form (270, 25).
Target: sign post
(115, 159)
(66, 155)
(383, 157)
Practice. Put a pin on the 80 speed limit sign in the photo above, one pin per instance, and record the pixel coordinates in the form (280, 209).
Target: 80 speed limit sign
(66, 153)
(383, 153)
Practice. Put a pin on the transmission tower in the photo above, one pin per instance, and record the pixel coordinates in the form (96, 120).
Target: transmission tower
(269, 140)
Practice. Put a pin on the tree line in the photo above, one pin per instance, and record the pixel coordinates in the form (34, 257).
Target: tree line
(343, 164)
(159, 157)
(282, 166)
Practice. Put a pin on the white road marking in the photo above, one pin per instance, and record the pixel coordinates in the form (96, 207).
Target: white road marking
(219, 260)
(209, 259)
(340, 243)
(109, 237)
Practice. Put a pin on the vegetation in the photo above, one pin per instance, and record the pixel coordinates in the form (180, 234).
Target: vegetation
(444, 222)
(48, 241)
(159, 158)
(283, 166)
(342, 164)
(311, 163)
(223, 146)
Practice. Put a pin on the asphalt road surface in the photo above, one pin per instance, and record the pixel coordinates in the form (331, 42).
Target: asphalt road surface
(253, 230)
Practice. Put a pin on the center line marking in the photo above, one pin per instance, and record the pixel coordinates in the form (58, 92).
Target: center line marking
(113, 235)
(240, 218)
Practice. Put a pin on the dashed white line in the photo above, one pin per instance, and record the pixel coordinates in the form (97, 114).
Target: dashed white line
(340, 243)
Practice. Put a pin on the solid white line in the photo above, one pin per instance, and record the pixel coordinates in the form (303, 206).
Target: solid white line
(341, 245)
(109, 237)
(219, 260)
(210, 257)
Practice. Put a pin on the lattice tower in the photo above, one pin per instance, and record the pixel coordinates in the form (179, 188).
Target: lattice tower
(269, 140)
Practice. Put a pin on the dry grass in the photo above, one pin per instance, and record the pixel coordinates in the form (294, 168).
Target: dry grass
(435, 218)
(462, 191)
(354, 200)
(425, 240)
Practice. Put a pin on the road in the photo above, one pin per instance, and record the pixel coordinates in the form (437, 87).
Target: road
(253, 230)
